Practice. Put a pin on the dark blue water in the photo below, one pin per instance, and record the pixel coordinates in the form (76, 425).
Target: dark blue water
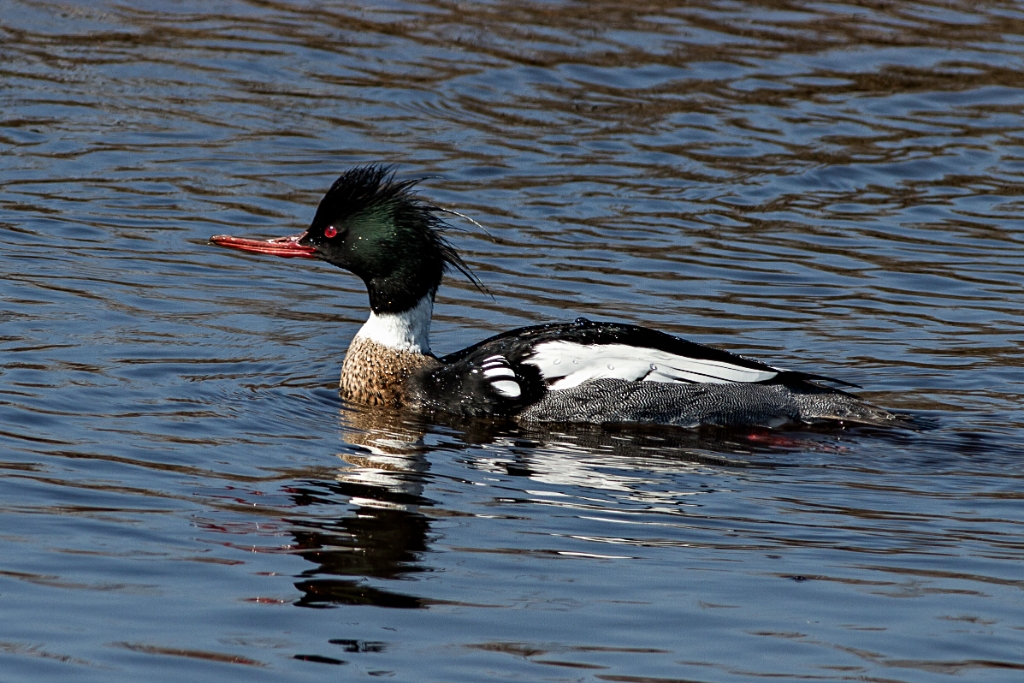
(830, 187)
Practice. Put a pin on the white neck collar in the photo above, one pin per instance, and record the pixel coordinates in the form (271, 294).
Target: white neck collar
(407, 331)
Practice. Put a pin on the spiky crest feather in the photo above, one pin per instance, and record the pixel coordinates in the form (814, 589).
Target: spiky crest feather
(373, 190)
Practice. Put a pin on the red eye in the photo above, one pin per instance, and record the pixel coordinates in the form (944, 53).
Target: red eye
(330, 231)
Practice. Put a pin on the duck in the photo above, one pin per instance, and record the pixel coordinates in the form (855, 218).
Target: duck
(382, 230)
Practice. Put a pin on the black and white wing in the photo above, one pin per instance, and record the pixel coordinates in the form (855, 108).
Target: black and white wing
(569, 355)
(503, 374)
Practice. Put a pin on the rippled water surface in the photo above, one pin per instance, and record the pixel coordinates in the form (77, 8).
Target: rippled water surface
(832, 187)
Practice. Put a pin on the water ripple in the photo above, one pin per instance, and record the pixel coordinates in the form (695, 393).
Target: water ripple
(831, 187)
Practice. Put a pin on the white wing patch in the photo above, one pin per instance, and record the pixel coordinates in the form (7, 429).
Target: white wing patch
(507, 387)
(502, 376)
(568, 364)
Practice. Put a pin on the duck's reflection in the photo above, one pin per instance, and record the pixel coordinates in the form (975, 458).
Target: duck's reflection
(384, 532)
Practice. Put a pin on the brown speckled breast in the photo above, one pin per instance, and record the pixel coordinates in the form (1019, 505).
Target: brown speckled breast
(374, 374)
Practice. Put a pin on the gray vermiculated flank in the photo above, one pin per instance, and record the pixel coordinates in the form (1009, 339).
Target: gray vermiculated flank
(689, 405)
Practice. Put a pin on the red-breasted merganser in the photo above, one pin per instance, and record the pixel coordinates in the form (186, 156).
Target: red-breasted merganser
(376, 227)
